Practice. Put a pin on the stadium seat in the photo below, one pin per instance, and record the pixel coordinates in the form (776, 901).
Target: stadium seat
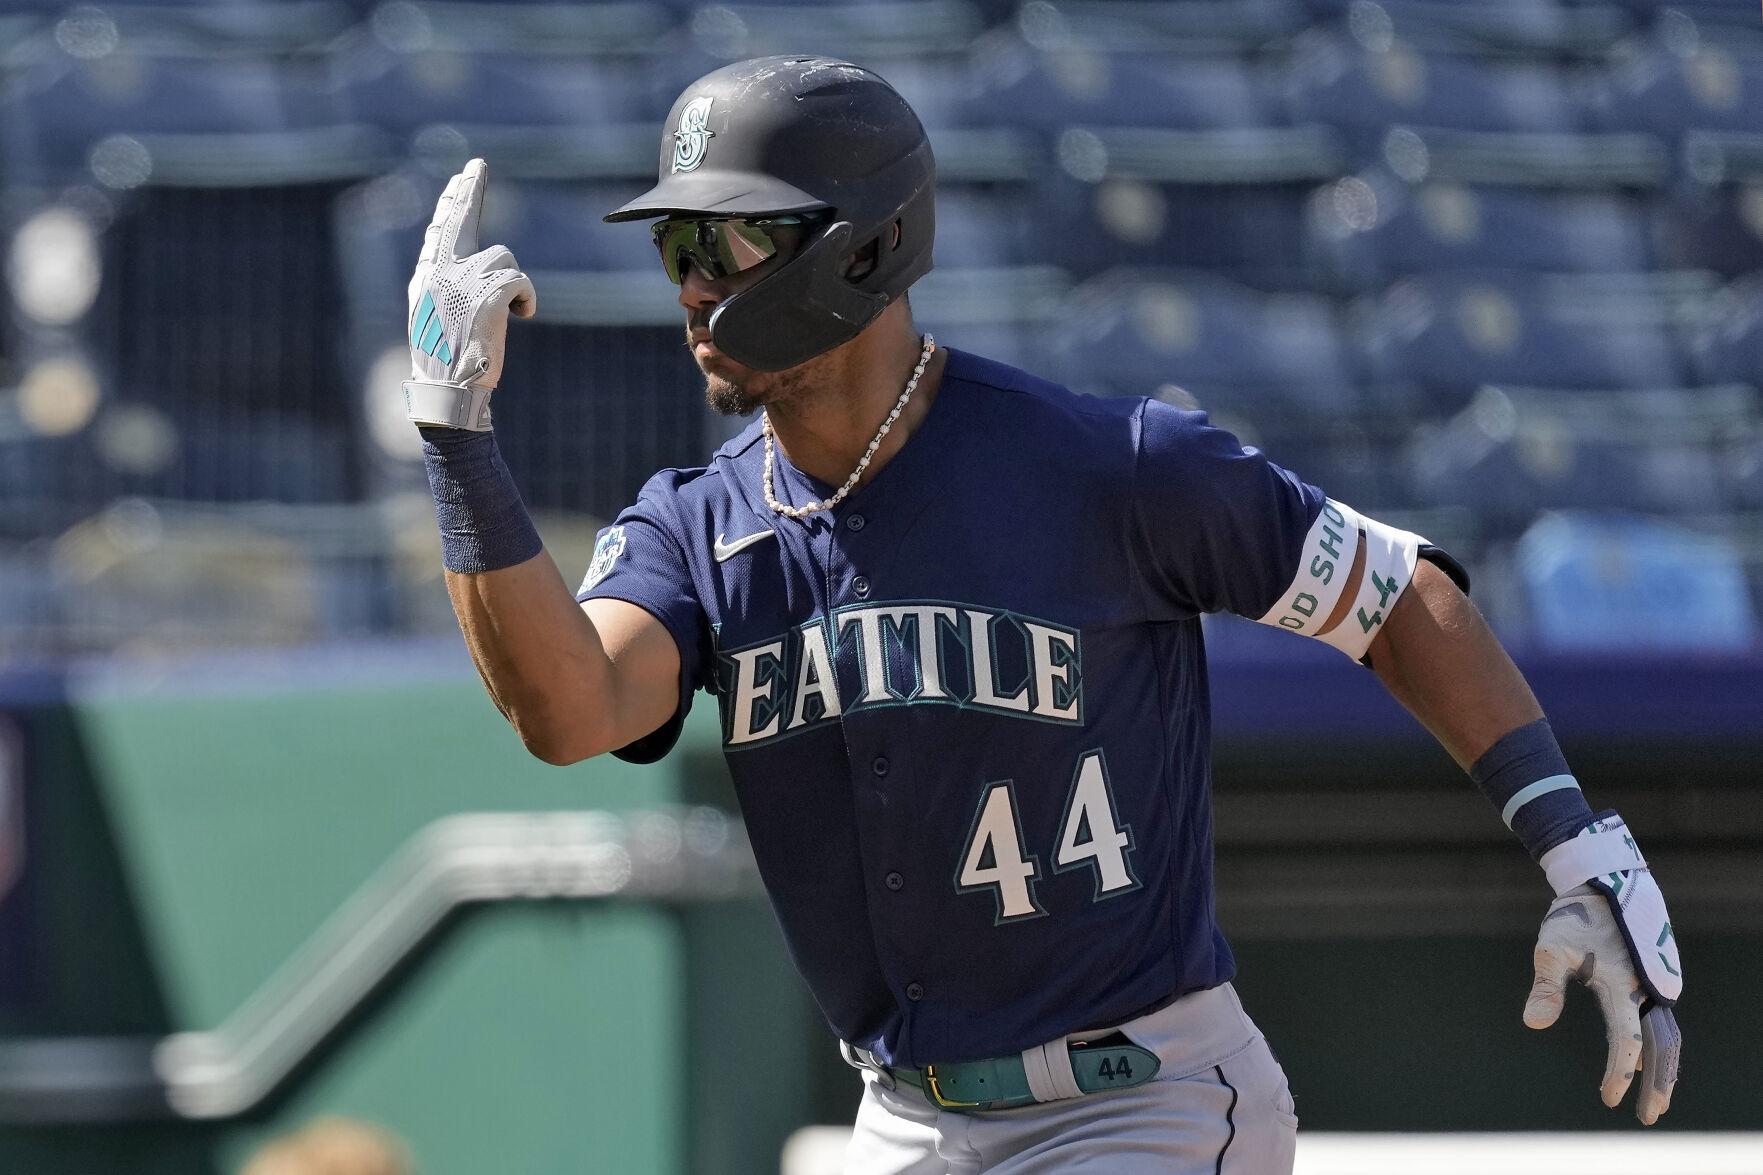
(405, 92)
(1137, 331)
(1514, 451)
(1715, 19)
(195, 28)
(1598, 581)
(1174, 26)
(1726, 341)
(866, 31)
(1334, 9)
(1163, 162)
(535, 116)
(1448, 334)
(1666, 92)
(1496, 28)
(1347, 457)
(1050, 91)
(1363, 93)
(939, 91)
(972, 143)
(1252, 232)
(546, 28)
(559, 227)
(1270, 368)
(1017, 343)
(982, 227)
(1023, 299)
(68, 113)
(1717, 228)
(1365, 231)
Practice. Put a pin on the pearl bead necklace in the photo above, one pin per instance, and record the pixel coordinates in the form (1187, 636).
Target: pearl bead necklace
(930, 345)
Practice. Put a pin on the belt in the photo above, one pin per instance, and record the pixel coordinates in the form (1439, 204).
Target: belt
(1001, 1083)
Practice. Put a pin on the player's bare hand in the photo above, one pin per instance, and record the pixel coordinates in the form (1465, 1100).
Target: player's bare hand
(1581, 940)
(460, 298)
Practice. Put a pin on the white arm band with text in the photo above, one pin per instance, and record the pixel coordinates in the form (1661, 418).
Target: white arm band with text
(1325, 565)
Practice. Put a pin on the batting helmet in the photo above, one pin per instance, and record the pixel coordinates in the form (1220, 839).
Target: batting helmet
(801, 135)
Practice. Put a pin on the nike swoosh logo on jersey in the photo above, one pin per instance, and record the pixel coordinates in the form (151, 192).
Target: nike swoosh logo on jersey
(725, 551)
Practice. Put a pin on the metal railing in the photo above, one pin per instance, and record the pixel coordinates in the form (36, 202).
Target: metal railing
(669, 856)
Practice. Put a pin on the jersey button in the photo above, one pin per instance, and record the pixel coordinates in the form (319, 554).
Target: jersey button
(915, 991)
(894, 881)
(854, 522)
(860, 585)
(880, 766)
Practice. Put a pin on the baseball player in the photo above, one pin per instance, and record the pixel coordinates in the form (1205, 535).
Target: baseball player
(950, 615)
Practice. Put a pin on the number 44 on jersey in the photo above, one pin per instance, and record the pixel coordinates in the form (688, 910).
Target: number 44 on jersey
(1090, 834)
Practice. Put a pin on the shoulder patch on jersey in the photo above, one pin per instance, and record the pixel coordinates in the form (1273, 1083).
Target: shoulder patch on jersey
(606, 552)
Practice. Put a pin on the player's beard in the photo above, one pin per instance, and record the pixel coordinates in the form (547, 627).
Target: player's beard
(727, 396)
(739, 395)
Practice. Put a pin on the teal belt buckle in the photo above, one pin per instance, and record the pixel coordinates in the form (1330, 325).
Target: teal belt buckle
(1001, 1083)
(994, 1084)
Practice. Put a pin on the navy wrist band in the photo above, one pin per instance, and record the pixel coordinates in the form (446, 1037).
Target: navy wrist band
(1526, 776)
(484, 524)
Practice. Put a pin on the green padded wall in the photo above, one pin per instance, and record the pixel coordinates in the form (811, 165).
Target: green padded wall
(534, 1037)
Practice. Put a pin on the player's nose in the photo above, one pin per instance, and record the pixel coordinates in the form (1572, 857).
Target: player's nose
(697, 292)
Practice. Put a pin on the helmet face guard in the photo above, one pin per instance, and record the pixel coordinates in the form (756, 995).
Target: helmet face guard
(802, 309)
(795, 136)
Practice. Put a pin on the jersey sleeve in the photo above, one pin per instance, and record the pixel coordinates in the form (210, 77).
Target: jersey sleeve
(641, 559)
(1219, 526)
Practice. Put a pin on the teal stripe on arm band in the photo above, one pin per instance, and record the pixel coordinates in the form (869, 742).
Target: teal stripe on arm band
(1541, 787)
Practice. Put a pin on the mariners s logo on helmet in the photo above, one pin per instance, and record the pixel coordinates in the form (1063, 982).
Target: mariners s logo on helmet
(691, 140)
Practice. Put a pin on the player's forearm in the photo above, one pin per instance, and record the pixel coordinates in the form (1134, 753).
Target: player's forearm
(1437, 656)
(539, 655)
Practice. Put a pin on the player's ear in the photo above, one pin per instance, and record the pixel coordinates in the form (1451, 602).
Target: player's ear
(862, 263)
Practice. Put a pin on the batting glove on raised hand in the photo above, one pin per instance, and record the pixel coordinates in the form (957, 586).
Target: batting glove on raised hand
(1612, 934)
(459, 307)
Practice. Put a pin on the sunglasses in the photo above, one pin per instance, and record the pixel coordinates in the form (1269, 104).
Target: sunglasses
(718, 248)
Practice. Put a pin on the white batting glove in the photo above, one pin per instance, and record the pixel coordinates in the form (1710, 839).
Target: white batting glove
(1611, 933)
(459, 309)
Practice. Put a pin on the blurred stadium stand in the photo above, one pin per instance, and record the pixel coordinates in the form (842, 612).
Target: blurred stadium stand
(1466, 263)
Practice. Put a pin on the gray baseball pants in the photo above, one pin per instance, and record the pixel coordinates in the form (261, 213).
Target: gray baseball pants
(1219, 1105)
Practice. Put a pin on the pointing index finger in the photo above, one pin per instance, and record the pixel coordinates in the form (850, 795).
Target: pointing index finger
(432, 235)
(459, 229)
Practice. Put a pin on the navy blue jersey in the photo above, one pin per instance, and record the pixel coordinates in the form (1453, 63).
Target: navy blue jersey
(966, 712)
